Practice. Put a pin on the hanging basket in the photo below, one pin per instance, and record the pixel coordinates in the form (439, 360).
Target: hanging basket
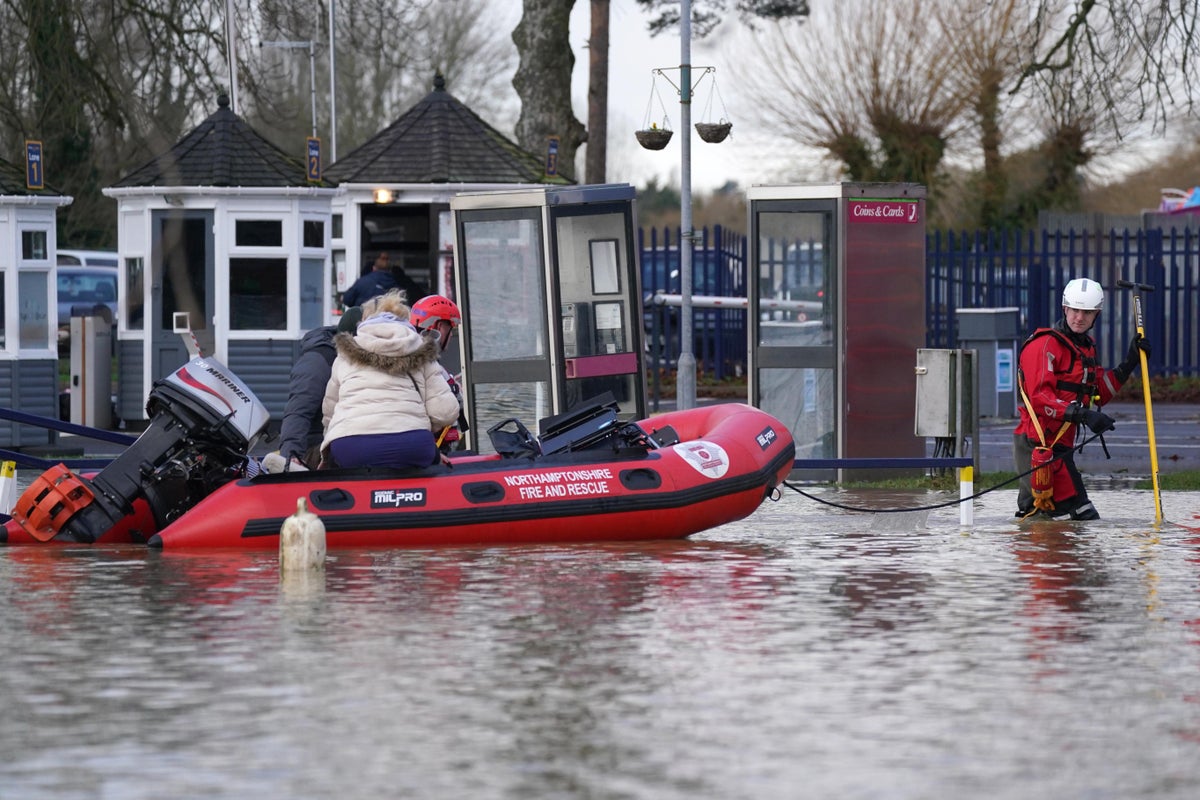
(714, 132)
(653, 138)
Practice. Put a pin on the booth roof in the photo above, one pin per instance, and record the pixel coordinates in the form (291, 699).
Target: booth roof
(221, 151)
(440, 140)
(12, 182)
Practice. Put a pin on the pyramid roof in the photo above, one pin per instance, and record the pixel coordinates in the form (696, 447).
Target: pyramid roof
(221, 151)
(440, 140)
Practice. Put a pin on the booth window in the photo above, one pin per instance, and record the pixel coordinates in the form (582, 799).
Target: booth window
(337, 226)
(33, 315)
(605, 275)
(134, 294)
(258, 294)
(312, 293)
(33, 246)
(314, 233)
(258, 233)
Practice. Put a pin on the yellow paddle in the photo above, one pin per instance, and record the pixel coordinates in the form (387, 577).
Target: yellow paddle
(1137, 313)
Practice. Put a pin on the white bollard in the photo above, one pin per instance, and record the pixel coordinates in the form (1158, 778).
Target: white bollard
(8, 486)
(966, 488)
(302, 541)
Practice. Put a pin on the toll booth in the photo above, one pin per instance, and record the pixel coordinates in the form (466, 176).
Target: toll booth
(836, 290)
(550, 292)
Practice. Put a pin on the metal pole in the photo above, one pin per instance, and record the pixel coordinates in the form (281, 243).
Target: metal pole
(312, 80)
(231, 39)
(685, 370)
(332, 90)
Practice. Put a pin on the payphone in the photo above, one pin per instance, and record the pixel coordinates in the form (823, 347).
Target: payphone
(550, 292)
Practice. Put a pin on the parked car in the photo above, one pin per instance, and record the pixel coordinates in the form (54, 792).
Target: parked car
(84, 289)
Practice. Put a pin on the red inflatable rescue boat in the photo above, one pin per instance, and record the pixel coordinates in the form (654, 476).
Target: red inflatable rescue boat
(588, 477)
(726, 460)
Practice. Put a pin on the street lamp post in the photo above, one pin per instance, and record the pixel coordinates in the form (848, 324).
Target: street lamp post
(332, 89)
(312, 71)
(685, 369)
(685, 366)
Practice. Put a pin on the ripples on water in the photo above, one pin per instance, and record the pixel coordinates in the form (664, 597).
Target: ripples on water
(804, 652)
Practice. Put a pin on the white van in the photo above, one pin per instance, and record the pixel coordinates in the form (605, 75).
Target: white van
(88, 258)
(86, 279)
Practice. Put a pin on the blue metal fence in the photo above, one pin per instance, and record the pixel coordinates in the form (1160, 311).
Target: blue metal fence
(719, 270)
(985, 269)
(1028, 271)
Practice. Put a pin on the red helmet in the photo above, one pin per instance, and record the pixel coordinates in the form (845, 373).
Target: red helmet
(432, 309)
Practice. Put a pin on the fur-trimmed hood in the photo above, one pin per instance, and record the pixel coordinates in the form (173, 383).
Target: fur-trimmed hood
(395, 348)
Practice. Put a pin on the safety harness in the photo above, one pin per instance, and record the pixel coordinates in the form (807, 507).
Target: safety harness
(1041, 481)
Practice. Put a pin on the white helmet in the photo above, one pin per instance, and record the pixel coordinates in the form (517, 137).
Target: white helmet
(1083, 294)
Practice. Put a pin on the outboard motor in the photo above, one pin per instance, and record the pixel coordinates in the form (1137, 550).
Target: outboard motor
(203, 422)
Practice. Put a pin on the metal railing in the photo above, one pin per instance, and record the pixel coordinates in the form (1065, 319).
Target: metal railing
(984, 269)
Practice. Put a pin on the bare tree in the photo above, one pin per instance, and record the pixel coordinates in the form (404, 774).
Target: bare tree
(108, 84)
(880, 97)
(905, 91)
(1144, 46)
(543, 81)
(707, 14)
(387, 55)
(101, 84)
(597, 149)
(986, 42)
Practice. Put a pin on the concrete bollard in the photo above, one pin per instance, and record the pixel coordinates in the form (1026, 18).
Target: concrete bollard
(302, 541)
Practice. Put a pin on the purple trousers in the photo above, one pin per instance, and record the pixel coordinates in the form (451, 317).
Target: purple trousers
(407, 449)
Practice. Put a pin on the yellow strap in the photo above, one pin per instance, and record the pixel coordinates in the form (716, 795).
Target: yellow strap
(1037, 426)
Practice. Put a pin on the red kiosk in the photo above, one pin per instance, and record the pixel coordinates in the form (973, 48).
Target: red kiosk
(836, 316)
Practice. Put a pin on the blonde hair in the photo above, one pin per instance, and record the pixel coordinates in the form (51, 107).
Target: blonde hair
(391, 302)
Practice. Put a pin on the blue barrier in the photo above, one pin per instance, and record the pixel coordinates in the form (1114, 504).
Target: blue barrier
(66, 427)
(26, 460)
(879, 463)
(51, 423)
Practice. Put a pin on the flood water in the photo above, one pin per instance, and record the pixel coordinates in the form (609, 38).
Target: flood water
(806, 652)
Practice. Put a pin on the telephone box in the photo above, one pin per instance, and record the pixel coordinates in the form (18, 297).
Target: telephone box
(836, 290)
(548, 284)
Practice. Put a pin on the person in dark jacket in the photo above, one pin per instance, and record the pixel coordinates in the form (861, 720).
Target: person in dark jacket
(380, 280)
(301, 432)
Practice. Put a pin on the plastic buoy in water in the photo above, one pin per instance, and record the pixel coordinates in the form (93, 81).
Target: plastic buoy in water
(302, 540)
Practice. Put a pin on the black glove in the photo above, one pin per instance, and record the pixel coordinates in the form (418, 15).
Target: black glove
(1097, 421)
(1132, 359)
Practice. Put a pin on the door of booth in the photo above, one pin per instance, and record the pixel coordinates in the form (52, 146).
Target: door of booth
(551, 300)
(182, 288)
(793, 311)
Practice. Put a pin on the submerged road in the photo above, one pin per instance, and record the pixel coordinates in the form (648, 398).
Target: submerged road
(1177, 436)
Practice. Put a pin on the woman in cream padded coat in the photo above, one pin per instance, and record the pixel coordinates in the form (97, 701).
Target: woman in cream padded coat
(386, 393)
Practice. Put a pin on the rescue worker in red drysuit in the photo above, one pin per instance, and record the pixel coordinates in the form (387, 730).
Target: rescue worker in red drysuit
(1063, 385)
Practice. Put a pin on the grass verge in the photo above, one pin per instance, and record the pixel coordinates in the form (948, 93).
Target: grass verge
(1184, 481)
